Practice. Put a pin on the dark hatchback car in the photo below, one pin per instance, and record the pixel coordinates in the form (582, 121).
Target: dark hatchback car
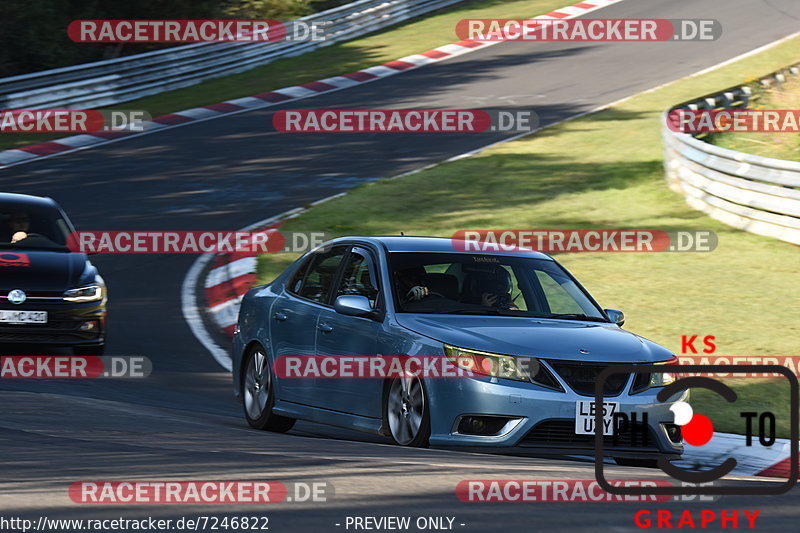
(48, 294)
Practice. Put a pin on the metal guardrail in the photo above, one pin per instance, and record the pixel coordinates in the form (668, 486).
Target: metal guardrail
(104, 83)
(756, 194)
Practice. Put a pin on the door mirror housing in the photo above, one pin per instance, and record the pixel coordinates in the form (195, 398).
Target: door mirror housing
(354, 305)
(616, 316)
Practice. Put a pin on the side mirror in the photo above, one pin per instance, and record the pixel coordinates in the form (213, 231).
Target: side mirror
(616, 316)
(353, 305)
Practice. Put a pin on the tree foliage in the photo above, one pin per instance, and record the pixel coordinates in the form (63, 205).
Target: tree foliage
(33, 33)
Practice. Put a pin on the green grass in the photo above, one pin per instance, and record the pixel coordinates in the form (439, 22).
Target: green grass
(603, 171)
(754, 395)
(768, 144)
(404, 39)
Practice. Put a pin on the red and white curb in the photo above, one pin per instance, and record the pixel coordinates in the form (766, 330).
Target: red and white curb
(756, 460)
(229, 279)
(27, 154)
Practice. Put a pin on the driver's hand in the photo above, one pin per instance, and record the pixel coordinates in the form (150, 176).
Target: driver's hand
(417, 293)
(488, 299)
(18, 236)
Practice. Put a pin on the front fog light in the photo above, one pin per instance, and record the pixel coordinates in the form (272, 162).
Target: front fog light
(89, 325)
(482, 425)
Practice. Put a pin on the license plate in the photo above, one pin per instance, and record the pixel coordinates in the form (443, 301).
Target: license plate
(584, 417)
(23, 317)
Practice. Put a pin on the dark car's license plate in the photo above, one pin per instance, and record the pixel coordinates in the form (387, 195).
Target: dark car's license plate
(23, 317)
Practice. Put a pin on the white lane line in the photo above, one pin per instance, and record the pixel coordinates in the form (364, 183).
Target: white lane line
(191, 312)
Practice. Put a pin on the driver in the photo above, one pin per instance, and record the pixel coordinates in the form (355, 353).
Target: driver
(410, 281)
(20, 225)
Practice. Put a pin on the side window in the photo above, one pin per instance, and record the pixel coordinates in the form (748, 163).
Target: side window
(297, 278)
(517, 298)
(321, 274)
(358, 277)
(557, 296)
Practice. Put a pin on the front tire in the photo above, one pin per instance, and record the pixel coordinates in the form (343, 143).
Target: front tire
(406, 411)
(258, 395)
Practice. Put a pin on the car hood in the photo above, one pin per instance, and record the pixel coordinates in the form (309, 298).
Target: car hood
(537, 337)
(44, 270)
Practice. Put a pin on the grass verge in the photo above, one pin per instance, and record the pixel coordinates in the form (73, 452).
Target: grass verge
(768, 144)
(604, 171)
(386, 45)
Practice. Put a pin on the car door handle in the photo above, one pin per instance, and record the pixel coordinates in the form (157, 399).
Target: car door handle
(279, 316)
(325, 327)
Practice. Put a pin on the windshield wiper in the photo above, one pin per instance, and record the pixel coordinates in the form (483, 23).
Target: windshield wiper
(486, 311)
(573, 316)
(493, 311)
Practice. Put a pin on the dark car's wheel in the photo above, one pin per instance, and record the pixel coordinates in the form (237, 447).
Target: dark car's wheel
(406, 411)
(258, 395)
(97, 349)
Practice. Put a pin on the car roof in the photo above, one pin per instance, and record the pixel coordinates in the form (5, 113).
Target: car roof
(435, 244)
(26, 199)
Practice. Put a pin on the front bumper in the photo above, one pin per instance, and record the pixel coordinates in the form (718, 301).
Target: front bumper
(63, 327)
(541, 418)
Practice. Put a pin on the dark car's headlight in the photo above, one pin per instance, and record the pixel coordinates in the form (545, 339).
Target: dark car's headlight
(501, 366)
(90, 293)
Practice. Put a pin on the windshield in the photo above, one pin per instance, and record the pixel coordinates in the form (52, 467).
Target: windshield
(451, 283)
(25, 227)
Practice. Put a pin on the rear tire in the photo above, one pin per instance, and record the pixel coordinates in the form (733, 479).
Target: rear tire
(405, 408)
(258, 395)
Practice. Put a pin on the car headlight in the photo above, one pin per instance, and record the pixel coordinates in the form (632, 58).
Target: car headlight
(91, 293)
(646, 381)
(501, 366)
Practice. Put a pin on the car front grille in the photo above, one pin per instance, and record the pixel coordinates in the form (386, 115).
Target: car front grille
(561, 433)
(581, 377)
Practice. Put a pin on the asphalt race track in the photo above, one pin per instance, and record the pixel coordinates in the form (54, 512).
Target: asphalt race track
(182, 421)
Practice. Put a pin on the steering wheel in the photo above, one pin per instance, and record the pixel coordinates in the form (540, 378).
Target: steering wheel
(28, 236)
(434, 293)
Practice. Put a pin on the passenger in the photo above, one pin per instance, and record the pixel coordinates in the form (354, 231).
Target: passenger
(492, 289)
